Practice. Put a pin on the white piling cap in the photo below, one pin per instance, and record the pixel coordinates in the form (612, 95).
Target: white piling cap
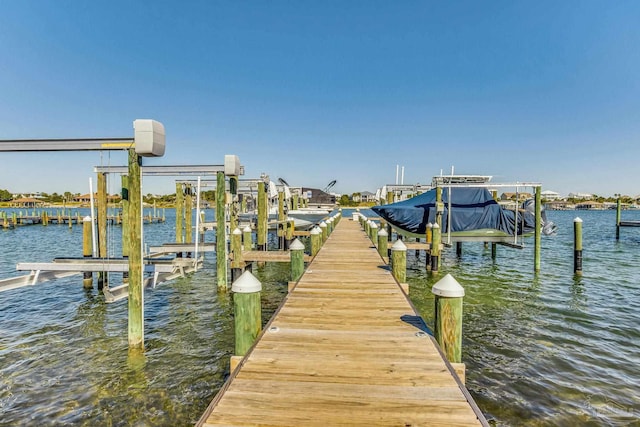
(577, 219)
(246, 284)
(296, 245)
(448, 287)
(247, 229)
(429, 225)
(315, 231)
(323, 224)
(236, 231)
(374, 225)
(383, 233)
(399, 246)
(435, 225)
(87, 218)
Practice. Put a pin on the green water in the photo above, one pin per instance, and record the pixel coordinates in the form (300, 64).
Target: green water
(546, 349)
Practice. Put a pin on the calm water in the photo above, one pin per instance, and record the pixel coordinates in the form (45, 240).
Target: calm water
(546, 349)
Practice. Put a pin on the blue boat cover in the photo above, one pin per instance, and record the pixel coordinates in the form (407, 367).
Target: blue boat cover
(471, 209)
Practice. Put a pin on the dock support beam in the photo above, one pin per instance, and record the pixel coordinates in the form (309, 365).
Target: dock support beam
(297, 260)
(221, 233)
(538, 231)
(236, 250)
(179, 212)
(136, 291)
(618, 208)
(316, 237)
(247, 311)
(87, 251)
(448, 317)
(435, 247)
(399, 261)
(263, 209)
(577, 246)
(382, 243)
(124, 180)
(103, 277)
(188, 214)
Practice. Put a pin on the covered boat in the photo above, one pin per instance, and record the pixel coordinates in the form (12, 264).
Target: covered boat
(474, 215)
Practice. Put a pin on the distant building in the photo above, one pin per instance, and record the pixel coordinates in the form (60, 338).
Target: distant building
(318, 197)
(86, 198)
(26, 202)
(581, 196)
(364, 197)
(550, 195)
(512, 196)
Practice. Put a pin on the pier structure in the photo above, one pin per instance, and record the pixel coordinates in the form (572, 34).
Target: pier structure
(346, 347)
(620, 223)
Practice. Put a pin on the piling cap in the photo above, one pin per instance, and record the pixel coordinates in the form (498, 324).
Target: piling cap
(247, 229)
(315, 231)
(323, 224)
(246, 284)
(87, 218)
(296, 245)
(435, 225)
(399, 246)
(374, 225)
(429, 225)
(383, 233)
(236, 231)
(577, 219)
(448, 287)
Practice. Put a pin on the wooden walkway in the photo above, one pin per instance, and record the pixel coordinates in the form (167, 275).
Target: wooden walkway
(345, 348)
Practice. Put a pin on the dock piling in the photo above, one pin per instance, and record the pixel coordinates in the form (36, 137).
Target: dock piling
(316, 236)
(399, 261)
(435, 247)
(577, 246)
(382, 243)
(448, 317)
(247, 311)
(87, 250)
(297, 260)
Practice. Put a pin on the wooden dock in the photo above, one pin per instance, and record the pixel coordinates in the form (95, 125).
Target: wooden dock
(345, 348)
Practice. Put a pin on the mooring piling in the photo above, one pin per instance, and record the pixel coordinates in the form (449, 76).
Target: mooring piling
(399, 261)
(247, 311)
(577, 246)
(448, 317)
(296, 251)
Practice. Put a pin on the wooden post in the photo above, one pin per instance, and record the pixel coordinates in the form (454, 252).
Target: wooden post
(459, 249)
(297, 260)
(124, 180)
(295, 201)
(87, 251)
(136, 290)
(429, 239)
(389, 231)
(263, 209)
(382, 243)
(577, 246)
(179, 213)
(399, 261)
(439, 207)
(188, 213)
(103, 277)
(281, 219)
(494, 250)
(221, 233)
(538, 231)
(435, 247)
(247, 311)
(234, 209)
(246, 238)
(323, 229)
(374, 232)
(618, 209)
(448, 317)
(289, 234)
(316, 237)
(236, 251)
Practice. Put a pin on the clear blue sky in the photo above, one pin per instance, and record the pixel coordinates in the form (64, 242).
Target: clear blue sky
(312, 91)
